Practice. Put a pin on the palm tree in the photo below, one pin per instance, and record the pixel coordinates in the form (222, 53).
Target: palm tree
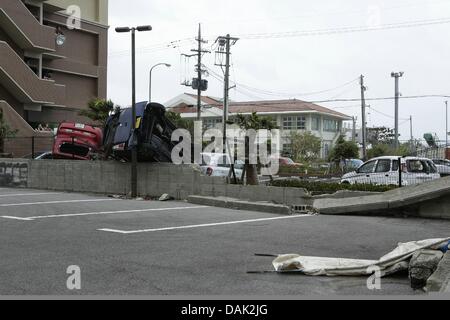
(98, 111)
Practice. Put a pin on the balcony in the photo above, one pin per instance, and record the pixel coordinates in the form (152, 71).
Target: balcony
(24, 84)
(20, 24)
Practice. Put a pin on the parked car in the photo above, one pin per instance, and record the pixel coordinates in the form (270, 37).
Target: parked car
(288, 162)
(153, 134)
(385, 171)
(39, 155)
(76, 141)
(443, 166)
(45, 156)
(219, 165)
(352, 164)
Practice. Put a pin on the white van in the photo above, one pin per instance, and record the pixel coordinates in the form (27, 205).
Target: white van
(385, 171)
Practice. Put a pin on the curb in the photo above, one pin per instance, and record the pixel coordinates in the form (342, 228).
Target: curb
(231, 203)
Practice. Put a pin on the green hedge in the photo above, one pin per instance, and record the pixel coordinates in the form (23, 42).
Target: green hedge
(324, 187)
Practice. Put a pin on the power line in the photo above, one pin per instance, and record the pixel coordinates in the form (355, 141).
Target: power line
(384, 98)
(341, 30)
(273, 93)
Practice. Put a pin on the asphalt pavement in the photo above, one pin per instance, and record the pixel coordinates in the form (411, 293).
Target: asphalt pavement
(127, 247)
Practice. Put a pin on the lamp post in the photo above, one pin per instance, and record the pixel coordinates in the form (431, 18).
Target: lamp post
(150, 79)
(133, 100)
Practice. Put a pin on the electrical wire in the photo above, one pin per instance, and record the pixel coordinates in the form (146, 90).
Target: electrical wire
(342, 30)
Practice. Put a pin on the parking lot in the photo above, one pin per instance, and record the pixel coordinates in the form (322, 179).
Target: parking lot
(126, 247)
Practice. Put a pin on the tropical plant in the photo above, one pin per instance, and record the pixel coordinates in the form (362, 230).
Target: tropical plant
(5, 131)
(99, 110)
(253, 122)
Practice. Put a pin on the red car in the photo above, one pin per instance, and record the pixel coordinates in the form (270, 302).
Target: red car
(76, 141)
(288, 162)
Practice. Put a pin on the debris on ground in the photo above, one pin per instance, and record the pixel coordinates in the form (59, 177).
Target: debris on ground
(395, 261)
(165, 197)
(423, 264)
(116, 196)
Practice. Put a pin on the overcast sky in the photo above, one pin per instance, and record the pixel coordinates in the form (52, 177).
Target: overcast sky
(288, 67)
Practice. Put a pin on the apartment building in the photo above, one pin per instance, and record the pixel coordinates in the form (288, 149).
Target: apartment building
(53, 59)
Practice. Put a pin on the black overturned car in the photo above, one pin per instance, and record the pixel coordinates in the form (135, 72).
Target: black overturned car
(152, 135)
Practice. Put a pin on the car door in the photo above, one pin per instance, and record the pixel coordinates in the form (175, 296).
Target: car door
(419, 172)
(383, 174)
(364, 173)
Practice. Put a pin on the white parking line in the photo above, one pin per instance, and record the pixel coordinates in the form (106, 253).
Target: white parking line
(54, 202)
(99, 213)
(28, 194)
(203, 225)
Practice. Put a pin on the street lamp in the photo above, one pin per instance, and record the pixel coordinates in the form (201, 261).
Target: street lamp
(133, 102)
(150, 79)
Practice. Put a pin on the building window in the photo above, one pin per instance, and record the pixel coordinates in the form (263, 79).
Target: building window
(326, 150)
(287, 149)
(330, 125)
(294, 123)
(301, 123)
(211, 123)
(315, 124)
(288, 123)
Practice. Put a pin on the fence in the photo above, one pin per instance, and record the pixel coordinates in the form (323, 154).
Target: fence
(27, 147)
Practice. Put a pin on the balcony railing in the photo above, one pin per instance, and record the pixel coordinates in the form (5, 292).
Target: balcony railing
(25, 85)
(24, 28)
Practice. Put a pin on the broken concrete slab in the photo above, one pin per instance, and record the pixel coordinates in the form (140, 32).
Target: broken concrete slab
(232, 203)
(422, 265)
(440, 279)
(391, 201)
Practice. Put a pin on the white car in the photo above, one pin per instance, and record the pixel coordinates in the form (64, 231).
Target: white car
(443, 166)
(219, 165)
(385, 171)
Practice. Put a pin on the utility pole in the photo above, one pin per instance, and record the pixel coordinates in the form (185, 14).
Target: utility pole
(446, 124)
(198, 83)
(364, 123)
(411, 132)
(397, 76)
(225, 44)
(354, 130)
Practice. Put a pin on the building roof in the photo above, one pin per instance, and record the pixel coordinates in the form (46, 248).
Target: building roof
(261, 107)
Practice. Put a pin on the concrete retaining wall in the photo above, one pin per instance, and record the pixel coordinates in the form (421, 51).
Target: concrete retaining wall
(110, 177)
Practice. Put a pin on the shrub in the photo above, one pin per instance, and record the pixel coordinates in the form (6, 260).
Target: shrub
(324, 187)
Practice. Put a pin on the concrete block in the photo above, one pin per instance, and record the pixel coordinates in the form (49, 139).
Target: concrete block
(231, 203)
(276, 195)
(233, 190)
(422, 265)
(56, 179)
(440, 279)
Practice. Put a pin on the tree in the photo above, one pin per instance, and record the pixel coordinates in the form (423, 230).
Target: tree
(380, 150)
(5, 131)
(305, 146)
(380, 135)
(344, 150)
(99, 111)
(180, 122)
(253, 122)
